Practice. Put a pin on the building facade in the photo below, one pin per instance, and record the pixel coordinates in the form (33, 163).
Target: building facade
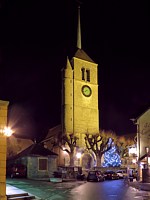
(40, 162)
(79, 107)
(80, 112)
(143, 144)
(3, 148)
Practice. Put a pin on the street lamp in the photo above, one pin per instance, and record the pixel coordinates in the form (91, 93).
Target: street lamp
(147, 151)
(78, 157)
(4, 132)
(7, 131)
(64, 155)
(134, 161)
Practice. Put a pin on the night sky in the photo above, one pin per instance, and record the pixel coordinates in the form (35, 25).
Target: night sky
(37, 36)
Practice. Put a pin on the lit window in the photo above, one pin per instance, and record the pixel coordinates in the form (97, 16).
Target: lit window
(43, 163)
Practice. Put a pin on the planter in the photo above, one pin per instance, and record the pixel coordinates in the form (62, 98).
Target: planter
(56, 180)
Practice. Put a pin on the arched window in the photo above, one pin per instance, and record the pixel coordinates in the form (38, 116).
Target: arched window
(88, 75)
(83, 74)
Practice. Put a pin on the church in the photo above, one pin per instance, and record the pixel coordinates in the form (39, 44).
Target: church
(79, 106)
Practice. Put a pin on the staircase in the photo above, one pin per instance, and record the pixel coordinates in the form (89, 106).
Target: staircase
(21, 196)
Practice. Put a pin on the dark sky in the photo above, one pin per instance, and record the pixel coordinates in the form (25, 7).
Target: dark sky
(36, 38)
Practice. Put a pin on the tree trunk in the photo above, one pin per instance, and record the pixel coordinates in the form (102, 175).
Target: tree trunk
(99, 160)
(72, 160)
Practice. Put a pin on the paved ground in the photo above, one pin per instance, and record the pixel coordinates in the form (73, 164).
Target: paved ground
(17, 186)
(140, 185)
(33, 187)
(11, 190)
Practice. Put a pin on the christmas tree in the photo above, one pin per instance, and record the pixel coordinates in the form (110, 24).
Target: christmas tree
(111, 158)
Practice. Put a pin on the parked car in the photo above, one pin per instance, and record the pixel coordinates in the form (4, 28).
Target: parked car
(16, 170)
(111, 175)
(95, 176)
(81, 177)
(121, 173)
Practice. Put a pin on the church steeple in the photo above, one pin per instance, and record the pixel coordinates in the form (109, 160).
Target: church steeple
(80, 53)
(79, 30)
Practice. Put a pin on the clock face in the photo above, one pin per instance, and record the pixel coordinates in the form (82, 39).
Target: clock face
(86, 90)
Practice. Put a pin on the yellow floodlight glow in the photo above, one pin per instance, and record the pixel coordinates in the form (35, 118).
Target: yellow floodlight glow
(7, 131)
(134, 161)
(78, 155)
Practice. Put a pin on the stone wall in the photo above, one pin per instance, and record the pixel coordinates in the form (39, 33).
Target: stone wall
(33, 171)
(144, 133)
(3, 123)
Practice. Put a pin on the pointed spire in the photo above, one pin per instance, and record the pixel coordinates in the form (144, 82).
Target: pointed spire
(68, 69)
(68, 65)
(79, 30)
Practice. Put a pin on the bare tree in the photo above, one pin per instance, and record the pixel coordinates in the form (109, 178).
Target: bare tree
(68, 143)
(99, 143)
(122, 145)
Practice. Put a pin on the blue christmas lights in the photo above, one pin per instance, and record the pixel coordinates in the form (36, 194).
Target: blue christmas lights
(111, 158)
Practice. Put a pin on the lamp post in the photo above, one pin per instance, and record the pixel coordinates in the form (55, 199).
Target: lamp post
(78, 157)
(5, 132)
(3, 149)
(64, 154)
(147, 151)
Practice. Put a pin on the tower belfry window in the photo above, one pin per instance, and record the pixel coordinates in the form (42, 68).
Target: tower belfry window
(83, 73)
(88, 75)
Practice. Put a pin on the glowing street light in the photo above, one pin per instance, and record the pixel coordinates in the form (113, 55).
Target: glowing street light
(134, 161)
(7, 131)
(64, 154)
(3, 147)
(147, 151)
(78, 155)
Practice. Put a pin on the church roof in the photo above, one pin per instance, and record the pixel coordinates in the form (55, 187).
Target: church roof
(82, 55)
(57, 130)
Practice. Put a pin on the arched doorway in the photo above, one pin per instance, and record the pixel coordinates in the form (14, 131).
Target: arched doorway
(87, 161)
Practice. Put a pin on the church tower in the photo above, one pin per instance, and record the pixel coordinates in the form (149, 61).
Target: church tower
(80, 112)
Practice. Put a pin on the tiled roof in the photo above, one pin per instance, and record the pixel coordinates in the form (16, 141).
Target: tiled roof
(82, 55)
(34, 150)
(53, 132)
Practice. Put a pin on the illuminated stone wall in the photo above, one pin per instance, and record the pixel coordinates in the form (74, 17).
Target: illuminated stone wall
(144, 132)
(86, 112)
(80, 113)
(3, 123)
(67, 97)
